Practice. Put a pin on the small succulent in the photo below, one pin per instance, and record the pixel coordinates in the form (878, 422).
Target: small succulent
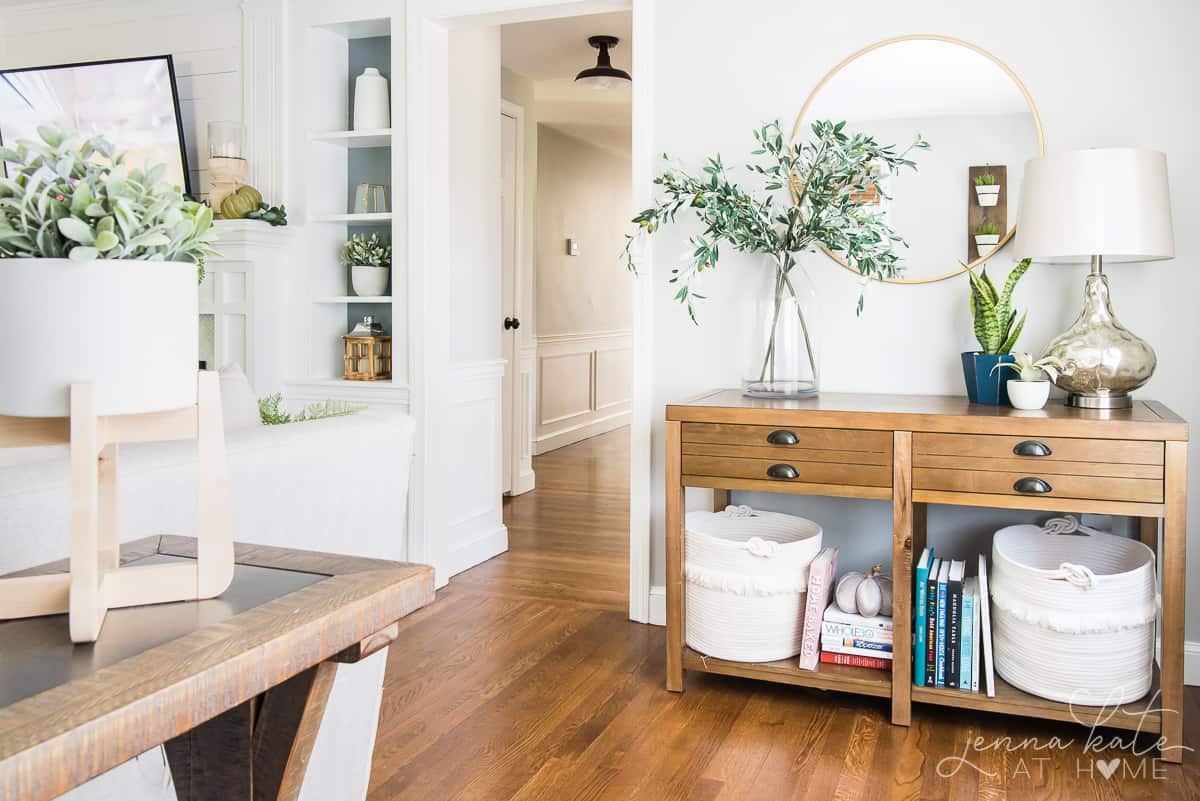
(1030, 370)
(274, 215)
(985, 179)
(60, 202)
(359, 250)
(987, 229)
(996, 325)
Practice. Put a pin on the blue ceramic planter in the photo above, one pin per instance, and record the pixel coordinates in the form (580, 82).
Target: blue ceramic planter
(984, 384)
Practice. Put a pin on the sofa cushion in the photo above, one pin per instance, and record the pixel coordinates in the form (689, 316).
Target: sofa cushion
(239, 407)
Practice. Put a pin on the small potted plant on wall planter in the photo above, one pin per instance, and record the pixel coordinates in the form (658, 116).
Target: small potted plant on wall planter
(369, 261)
(1032, 388)
(987, 189)
(987, 236)
(99, 263)
(997, 329)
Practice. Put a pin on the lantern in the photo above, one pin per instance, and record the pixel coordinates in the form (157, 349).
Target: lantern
(368, 352)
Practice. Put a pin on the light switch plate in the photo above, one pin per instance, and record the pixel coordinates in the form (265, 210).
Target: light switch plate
(572, 247)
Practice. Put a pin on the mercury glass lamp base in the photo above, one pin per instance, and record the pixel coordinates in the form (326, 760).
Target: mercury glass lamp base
(1099, 401)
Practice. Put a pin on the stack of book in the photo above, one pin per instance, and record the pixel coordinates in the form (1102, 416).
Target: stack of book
(952, 633)
(848, 639)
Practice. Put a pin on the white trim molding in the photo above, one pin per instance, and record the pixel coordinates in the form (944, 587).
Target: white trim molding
(657, 606)
(583, 386)
(264, 109)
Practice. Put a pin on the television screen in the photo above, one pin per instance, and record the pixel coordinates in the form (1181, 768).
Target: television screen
(132, 103)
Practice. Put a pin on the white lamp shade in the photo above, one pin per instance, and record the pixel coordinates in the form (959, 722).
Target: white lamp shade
(1110, 202)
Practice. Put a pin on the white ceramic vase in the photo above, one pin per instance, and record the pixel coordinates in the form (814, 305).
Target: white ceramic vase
(369, 280)
(128, 327)
(1028, 395)
(371, 111)
(988, 195)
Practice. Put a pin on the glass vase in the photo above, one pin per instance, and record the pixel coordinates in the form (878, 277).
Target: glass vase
(782, 354)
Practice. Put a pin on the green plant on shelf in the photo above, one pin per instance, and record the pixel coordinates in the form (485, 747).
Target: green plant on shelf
(363, 251)
(985, 179)
(987, 229)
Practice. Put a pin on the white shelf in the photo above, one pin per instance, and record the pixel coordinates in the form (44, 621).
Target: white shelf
(381, 137)
(355, 299)
(375, 218)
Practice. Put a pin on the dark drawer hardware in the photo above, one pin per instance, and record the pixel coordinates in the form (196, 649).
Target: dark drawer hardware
(1031, 447)
(1032, 485)
(782, 437)
(782, 471)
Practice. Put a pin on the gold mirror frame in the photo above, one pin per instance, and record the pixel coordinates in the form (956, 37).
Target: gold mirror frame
(930, 37)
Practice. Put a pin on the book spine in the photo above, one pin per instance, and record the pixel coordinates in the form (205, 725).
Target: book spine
(919, 627)
(855, 661)
(977, 656)
(857, 632)
(940, 677)
(931, 631)
(819, 580)
(850, 642)
(838, 648)
(953, 631)
(968, 642)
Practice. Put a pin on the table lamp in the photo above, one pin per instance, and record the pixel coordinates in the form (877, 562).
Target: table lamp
(1105, 204)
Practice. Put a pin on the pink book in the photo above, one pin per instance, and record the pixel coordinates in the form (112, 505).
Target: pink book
(820, 587)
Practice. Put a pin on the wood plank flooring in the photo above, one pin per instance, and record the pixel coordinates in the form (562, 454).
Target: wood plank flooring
(525, 681)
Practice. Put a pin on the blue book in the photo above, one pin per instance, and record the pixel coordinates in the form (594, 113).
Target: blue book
(931, 623)
(967, 658)
(920, 641)
(939, 679)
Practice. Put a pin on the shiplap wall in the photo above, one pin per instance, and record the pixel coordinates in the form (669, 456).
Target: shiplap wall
(205, 40)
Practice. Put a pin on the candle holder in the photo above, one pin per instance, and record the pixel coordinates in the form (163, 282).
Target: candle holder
(227, 168)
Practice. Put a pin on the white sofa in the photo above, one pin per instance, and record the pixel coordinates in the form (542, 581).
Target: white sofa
(337, 485)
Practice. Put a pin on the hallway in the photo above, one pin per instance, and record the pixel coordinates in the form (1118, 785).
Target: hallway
(526, 681)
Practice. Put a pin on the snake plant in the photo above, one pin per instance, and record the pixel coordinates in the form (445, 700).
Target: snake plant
(996, 325)
(61, 201)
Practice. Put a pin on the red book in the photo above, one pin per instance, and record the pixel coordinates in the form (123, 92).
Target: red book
(856, 661)
(820, 585)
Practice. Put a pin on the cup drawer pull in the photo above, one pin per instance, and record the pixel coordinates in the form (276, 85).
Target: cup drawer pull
(785, 471)
(1031, 485)
(783, 437)
(1031, 447)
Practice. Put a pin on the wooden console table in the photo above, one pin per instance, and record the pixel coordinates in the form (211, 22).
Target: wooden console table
(916, 450)
(235, 687)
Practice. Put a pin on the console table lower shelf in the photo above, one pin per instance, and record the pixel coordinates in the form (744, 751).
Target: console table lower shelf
(919, 450)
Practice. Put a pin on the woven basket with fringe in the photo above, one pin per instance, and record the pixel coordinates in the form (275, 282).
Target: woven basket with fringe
(746, 575)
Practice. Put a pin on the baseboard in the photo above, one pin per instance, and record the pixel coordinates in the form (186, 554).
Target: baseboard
(594, 428)
(491, 543)
(522, 483)
(658, 605)
(1191, 663)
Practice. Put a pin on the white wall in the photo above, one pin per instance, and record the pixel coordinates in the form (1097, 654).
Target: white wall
(204, 39)
(1133, 79)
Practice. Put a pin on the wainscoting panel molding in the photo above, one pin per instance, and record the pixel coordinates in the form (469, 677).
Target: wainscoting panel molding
(584, 386)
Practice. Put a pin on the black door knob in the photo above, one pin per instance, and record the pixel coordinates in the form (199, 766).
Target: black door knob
(511, 323)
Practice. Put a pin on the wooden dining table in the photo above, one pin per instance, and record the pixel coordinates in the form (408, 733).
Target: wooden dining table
(234, 687)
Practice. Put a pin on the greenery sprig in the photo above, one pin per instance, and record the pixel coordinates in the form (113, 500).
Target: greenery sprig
(271, 410)
(812, 192)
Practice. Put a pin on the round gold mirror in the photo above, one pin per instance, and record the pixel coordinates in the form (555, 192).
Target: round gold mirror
(960, 205)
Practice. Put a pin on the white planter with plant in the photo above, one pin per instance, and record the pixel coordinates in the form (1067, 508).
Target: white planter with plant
(98, 273)
(987, 189)
(369, 260)
(803, 194)
(987, 236)
(1032, 389)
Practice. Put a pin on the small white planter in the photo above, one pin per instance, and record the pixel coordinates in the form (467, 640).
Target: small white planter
(988, 195)
(369, 280)
(129, 327)
(986, 242)
(1028, 395)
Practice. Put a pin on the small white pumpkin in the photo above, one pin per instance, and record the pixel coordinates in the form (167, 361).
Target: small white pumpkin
(885, 595)
(845, 591)
(867, 596)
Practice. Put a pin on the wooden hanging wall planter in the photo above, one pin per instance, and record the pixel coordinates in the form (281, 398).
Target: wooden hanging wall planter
(368, 353)
(988, 208)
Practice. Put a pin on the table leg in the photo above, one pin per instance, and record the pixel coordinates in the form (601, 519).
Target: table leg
(902, 557)
(1172, 556)
(720, 499)
(674, 541)
(1148, 532)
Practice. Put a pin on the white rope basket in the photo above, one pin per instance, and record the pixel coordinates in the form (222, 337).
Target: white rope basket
(1073, 612)
(746, 575)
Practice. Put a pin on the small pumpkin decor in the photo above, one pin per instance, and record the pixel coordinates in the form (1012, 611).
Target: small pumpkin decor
(246, 203)
(867, 595)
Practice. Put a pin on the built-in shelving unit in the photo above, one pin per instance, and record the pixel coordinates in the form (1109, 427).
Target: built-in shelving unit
(381, 137)
(355, 299)
(374, 218)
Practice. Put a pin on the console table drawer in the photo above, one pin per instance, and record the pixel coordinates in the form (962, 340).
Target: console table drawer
(784, 470)
(1040, 449)
(1033, 483)
(823, 439)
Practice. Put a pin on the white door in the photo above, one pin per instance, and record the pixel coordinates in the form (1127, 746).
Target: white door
(514, 402)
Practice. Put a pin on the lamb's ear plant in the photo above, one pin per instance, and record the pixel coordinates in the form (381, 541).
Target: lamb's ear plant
(985, 179)
(59, 201)
(996, 325)
(1047, 367)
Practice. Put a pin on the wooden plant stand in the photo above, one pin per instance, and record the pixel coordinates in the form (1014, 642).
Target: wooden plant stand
(911, 451)
(96, 582)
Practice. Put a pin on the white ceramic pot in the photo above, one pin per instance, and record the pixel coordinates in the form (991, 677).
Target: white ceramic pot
(985, 241)
(988, 195)
(371, 101)
(1028, 394)
(369, 280)
(129, 327)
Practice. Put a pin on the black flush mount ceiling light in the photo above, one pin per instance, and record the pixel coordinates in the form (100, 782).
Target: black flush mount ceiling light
(604, 75)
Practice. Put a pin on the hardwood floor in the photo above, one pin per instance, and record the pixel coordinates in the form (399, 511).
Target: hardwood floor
(525, 681)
